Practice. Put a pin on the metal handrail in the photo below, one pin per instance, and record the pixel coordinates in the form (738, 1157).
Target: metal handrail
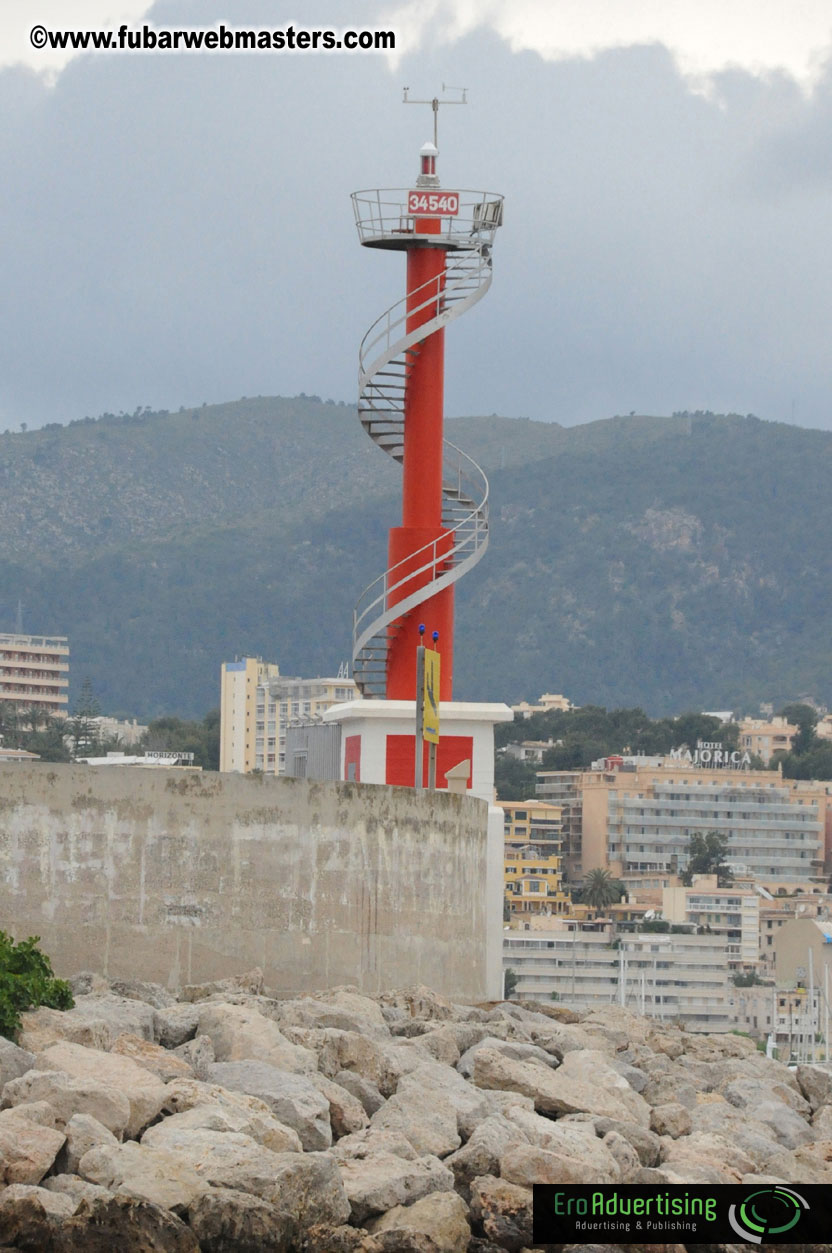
(382, 213)
(442, 561)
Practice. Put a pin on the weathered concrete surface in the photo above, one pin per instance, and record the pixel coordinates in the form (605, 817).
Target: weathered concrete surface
(181, 878)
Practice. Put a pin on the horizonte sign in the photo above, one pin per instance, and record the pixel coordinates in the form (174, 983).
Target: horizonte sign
(712, 753)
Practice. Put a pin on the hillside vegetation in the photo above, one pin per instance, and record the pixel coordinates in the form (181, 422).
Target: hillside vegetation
(671, 563)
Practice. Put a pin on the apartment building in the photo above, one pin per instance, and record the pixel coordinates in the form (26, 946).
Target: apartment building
(258, 704)
(676, 977)
(34, 673)
(240, 682)
(533, 883)
(637, 819)
(533, 822)
(730, 912)
(764, 738)
(549, 702)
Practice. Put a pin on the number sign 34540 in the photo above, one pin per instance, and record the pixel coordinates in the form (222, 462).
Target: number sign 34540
(433, 203)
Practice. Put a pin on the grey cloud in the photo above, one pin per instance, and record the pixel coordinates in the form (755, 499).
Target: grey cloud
(178, 229)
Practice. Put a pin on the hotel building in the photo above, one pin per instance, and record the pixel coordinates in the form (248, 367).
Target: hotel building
(34, 673)
(636, 819)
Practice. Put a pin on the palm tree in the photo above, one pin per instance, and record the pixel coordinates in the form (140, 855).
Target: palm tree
(601, 889)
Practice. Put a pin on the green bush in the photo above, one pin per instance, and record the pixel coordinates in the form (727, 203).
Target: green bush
(27, 981)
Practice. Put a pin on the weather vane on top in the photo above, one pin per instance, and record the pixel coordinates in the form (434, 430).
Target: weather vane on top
(435, 103)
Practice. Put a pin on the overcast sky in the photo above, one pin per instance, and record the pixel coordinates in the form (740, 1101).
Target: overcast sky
(177, 229)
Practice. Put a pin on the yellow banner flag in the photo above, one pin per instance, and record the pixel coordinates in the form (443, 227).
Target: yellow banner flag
(431, 696)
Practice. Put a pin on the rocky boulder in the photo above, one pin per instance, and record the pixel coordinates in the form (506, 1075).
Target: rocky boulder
(293, 1099)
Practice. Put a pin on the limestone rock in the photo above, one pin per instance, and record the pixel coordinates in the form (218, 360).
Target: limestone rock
(500, 1102)
(576, 1141)
(739, 1127)
(346, 1113)
(558, 1039)
(75, 1188)
(83, 1132)
(362, 1089)
(89, 983)
(40, 1112)
(430, 1128)
(668, 1042)
(225, 1116)
(592, 1067)
(176, 1024)
(250, 982)
(749, 1093)
(144, 1091)
(502, 1212)
(671, 1119)
(240, 1033)
(509, 1048)
(227, 1221)
(419, 1002)
(481, 1155)
(44, 1026)
(224, 1159)
(27, 1150)
(400, 1058)
(343, 1008)
(292, 1098)
(441, 1217)
(149, 1174)
(822, 1122)
(120, 1014)
(442, 1086)
(198, 1054)
(669, 1088)
(626, 1157)
(14, 1061)
(377, 1182)
(374, 1140)
(558, 1091)
(527, 1164)
(815, 1084)
(324, 1238)
(152, 1057)
(343, 1050)
(55, 1204)
(68, 1096)
(105, 1225)
(440, 1043)
(152, 994)
(707, 1147)
(307, 1188)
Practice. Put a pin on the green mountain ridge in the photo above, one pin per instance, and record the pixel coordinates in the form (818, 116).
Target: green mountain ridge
(671, 563)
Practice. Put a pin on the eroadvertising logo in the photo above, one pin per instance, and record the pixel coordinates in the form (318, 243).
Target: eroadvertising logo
(768, 1212)
(681, 1213)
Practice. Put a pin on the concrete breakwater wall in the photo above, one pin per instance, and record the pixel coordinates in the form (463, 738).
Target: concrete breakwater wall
(180, 878)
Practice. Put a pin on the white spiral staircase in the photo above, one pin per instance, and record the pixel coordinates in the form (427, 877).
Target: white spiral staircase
(385, 358)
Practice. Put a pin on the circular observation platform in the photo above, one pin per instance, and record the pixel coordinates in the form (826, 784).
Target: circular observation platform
(386, 218)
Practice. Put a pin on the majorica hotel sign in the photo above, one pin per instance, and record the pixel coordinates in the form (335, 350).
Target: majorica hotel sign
(712, 754)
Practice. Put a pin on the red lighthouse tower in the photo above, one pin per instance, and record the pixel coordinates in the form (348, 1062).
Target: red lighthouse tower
(447, 237)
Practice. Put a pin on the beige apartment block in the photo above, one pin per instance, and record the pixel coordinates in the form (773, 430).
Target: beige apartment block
(731, 912)
(257, 704)
(637, 820)
(675, 977)
(793, 944)
(765, 738)
(34, 673)
(239, 684)
(532, 822)
(548, 703)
